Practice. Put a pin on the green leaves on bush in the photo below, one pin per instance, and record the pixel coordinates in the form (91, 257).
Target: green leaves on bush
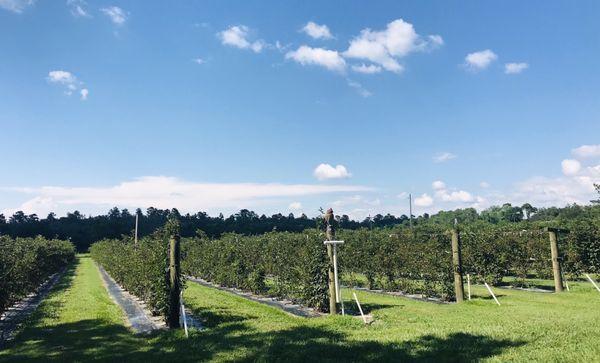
(25, 263)
(415, 261)
(141, 269)
(282, 264)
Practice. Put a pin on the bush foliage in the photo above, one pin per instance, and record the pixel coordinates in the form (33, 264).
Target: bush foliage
(25, 263)
(282, 264)
(141, 269)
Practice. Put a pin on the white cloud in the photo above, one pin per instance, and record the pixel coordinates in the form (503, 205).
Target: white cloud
(436, 40)
(317, 31)
(570, 167)
(385, 47)
(168, 192)
(424, 201)
(16, 6)
(78, 8)
(484, 185)
(295, 206)
(587, 151)
(62, 77)
(359, 88)
(454, 196)
(199, 61)
(366, 69)
(438, 185)
(480, 60)
(515, 68)
(443, 157)
(329, 59)
(545, 192)
(116, 14)
(326, 171)
(69, 81)
(237, 36)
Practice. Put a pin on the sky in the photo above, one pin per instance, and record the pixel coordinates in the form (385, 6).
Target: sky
(286, 107)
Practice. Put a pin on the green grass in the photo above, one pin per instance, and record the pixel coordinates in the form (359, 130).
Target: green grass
(79, 322)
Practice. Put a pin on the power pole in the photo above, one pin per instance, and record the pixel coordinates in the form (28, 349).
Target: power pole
(136, 228)
(410, 210)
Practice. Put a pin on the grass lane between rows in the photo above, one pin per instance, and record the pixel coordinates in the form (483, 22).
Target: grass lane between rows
(78, 321)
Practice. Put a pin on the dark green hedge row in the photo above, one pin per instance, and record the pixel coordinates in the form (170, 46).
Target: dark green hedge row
(25, 263)
(141, 269)
(282, 264)
(493, 252)
(415, 261)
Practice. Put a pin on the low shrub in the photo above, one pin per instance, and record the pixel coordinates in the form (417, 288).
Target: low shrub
(141, 269)
(25, 263)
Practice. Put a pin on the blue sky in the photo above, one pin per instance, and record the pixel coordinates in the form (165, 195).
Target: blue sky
(217, 106)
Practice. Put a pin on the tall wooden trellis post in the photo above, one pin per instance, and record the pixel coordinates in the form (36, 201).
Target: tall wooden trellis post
(457, 265)
(330, 235)
(172, 231)
(556, 268)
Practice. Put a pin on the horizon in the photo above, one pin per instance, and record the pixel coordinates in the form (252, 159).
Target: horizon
(286, 108)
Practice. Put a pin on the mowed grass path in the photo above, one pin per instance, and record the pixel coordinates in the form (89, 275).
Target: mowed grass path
(78, 321)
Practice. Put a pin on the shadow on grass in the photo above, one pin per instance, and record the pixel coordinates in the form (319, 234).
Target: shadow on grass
(94, 340)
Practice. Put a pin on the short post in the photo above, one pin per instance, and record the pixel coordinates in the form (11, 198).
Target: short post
(183, 317)
(359, 308)
(469, 285)
(330, 233)
(491, 292)
(174, 272)
(558, 283)
(457, 265)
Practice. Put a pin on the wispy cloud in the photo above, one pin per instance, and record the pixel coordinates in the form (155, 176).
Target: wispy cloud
(115, 14)
(78, 8)
(443, 157)
(587, 151)
(68, 81)
(359, 88)
(168, 192)
(16, 6)
(515, 68)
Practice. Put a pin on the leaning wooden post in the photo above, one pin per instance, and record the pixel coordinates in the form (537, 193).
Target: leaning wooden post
(172, 231)
(457, 266)
(558, 283)
(330, 233)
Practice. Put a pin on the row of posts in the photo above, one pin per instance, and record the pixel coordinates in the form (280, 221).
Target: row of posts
(456, 261)
(174, 267)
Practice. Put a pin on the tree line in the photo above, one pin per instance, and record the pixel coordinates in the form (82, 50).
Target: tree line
(84, 230)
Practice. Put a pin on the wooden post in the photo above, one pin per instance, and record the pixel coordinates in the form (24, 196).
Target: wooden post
(330, 233)
(558, 283)
(174, 274)
(457, 265)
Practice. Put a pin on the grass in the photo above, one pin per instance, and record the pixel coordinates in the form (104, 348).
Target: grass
(78, 322)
